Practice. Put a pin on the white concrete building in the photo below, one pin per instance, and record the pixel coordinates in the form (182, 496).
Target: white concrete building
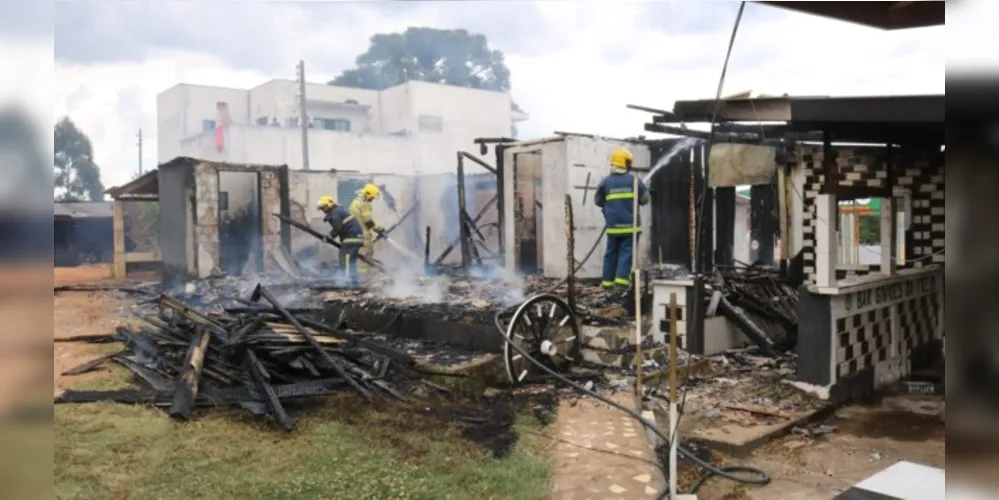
(412, 128)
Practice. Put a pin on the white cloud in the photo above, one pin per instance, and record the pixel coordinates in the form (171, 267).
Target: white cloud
(110, 102)
(598, 58)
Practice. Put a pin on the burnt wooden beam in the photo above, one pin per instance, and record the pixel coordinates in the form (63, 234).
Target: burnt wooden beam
(261, 292)
(187, 382)
(466, 255)
(570, 239)
(447, 251)
(260, 381)
(478, 161)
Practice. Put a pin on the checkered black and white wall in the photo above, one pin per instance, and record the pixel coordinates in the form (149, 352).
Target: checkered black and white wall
(922, 175)
(880, 327)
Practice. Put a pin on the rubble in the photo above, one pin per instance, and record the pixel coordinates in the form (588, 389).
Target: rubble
(261, 359)
(765, 304)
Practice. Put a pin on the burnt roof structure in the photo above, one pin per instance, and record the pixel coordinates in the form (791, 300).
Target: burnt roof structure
(881, 15)
(871, 119)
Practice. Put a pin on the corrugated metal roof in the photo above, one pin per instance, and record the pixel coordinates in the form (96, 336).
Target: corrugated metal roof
(79, 210)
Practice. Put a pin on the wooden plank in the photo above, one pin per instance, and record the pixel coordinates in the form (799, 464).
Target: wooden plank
(118, 225)
(141, 257)
(187, 384)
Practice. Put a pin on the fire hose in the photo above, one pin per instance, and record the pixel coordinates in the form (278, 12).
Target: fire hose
(728, 472)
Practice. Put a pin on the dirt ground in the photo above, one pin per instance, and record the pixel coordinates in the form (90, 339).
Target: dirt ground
(83, 313)
(864, 440)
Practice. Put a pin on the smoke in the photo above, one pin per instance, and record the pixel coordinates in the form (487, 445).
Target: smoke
(407, 282)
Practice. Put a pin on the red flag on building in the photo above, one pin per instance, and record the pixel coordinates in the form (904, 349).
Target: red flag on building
(221, 123)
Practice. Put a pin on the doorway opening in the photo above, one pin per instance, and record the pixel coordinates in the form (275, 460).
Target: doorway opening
(240, 240)
(528, 212)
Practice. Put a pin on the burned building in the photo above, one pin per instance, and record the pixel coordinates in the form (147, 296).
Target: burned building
(218, 218)
(82, 233)
(860, 327)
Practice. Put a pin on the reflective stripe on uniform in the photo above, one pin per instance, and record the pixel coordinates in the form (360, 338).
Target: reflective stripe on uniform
(623, 230)
(348, 219)
(620, 196)
(352, 240)
(622, 281)
(606, 284)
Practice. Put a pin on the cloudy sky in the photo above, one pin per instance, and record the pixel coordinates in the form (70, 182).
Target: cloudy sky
(574, 65)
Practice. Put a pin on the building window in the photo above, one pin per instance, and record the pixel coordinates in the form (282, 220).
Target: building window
(346, 190)
(223, 201)
(207, 125)
(431, 123)
(334, 124)
(262, 120)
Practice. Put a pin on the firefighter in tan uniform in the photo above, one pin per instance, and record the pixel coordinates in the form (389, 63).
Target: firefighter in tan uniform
(360, 208)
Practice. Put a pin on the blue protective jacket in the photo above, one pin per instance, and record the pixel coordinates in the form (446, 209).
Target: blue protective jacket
(615, 195)
(344, 225)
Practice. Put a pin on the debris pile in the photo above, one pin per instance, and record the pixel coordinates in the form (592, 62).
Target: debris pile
(260, 357)
(761, 302)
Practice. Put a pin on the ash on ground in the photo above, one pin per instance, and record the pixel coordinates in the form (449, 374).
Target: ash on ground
(744, 388)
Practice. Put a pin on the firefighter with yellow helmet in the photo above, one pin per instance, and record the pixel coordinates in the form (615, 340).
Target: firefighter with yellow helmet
(360, 208)
(347, 228)
(616, 197)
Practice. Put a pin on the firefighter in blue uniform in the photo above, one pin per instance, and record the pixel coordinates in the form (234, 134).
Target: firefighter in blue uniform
(348, 229)
(616, 196)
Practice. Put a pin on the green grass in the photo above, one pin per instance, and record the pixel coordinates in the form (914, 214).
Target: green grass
(345, 449)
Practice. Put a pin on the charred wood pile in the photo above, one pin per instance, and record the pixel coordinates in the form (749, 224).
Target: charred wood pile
(761, 302)
(262, 357)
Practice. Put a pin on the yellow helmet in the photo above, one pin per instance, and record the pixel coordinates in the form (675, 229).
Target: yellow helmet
(325, 203)
(621, 158)
(371, 191)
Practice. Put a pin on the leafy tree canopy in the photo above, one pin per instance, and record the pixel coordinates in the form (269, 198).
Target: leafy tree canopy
(76, 174)
(453, 57)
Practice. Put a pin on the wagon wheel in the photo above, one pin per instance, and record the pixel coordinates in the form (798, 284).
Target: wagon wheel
(546, 329)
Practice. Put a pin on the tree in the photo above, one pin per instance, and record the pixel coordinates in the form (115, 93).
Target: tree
(870, 230)
(453, 57)
(76, 174)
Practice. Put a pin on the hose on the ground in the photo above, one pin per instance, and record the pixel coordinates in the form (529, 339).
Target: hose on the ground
(728, 472)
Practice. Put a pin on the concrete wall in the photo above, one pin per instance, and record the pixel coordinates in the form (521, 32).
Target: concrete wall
(565, 165)
(176, 231)
(206, 217)
(462, 115)
(182, 109)
(866, 337)
(432, 199)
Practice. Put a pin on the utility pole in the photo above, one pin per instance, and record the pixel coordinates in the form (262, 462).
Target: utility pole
(303, 116)
(139, 143)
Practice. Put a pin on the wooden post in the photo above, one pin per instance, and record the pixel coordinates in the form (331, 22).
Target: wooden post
(118, 225)
(637, 287)
(570, 243)
(673, 395)
(466, 252)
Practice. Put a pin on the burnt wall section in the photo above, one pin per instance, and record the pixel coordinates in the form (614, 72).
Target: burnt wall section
(920, 173)
(206, 218)
(419, 325)
(176, 199)
(670, 188)
(725, 221)
(763, 218)
(814, 345)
